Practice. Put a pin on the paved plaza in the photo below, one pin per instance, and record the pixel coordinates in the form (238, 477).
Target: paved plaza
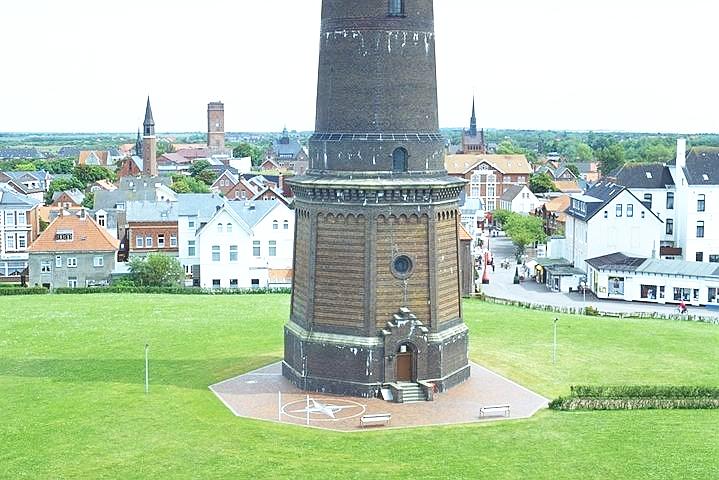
(501, 286)
(265, 394)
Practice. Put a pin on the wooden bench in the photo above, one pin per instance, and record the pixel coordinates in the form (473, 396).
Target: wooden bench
(504, 409)
(375, 419)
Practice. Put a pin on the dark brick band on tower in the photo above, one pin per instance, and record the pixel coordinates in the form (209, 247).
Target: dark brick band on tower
(376, 289)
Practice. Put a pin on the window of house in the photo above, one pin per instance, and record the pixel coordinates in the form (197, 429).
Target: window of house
(670, 226)
(58, 261)
(670, 200)
(10, 242)
(275, 225)
(648, 200)
(255, 283)
(148, 242)
(695, 294)
(620, 209)
(396, 8)
(220, 228)
(234, 283)
(215, 253)
(399, 160)
(98, 262)
(713, 295)
(63, 236)
(273, 248)
(71, 282)
(139, 241)
(71, 262)
(700, 229)
(256, 248)
(682, 294)
(286, 225)
(173, 240)
(616, 286)
(630, 210)
(9, 218)
(21, 240)
(701, 203)
(191, 224)
(46, 266)
(662, 291)
(234, 253)
(216, 283)
(699, 256)
(191, 251)
(713, 258)
(21, 218)
(102, 220)
(229, 228)
(648, 292)
(161, 240)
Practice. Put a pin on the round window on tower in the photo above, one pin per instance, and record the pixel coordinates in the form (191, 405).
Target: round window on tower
(402, 266)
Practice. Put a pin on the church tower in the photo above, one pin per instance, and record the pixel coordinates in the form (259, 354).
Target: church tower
(216, 126)
(149, 143)
(376, 297)
(472, 140)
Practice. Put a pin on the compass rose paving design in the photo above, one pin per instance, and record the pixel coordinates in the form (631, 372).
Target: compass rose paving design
(265, 394)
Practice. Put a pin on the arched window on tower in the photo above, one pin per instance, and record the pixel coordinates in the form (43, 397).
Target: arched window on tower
(396, 8)
(399, 160)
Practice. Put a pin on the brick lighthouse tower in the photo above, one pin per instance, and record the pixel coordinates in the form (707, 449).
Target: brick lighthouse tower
(376, 285)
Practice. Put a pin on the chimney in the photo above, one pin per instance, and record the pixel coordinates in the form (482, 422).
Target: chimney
(281, 181)
(681, 153)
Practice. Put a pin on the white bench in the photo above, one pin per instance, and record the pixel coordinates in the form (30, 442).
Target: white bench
(504, 409)
(376, 419)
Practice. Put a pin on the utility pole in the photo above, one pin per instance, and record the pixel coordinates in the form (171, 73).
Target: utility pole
(554, 349)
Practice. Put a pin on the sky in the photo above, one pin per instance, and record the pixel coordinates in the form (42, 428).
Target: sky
(88, 65)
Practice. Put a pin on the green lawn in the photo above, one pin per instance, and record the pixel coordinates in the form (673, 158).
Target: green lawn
(72, 402)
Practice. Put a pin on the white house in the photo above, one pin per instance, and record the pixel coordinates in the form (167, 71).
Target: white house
(622, 277)
(609, 218)
(19, 227)
(247, 245)
(194, 211)
(519, 199)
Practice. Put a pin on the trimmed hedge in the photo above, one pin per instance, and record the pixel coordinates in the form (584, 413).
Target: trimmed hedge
(10, 291)
(171, 291)
(632, 397)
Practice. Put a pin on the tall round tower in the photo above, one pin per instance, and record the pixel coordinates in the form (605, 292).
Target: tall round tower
(376, 296)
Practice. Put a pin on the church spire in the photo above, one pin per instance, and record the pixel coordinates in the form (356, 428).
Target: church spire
(149, 122)
(138, 144)
(473, 121)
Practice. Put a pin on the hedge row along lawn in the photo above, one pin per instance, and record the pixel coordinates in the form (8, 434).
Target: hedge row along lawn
(72, 401)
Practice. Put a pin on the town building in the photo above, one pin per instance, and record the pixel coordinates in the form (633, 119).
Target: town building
(19, 227)
(131, 166)
(489, 176)
(287, 154)
(376, 292)
(246, 245)
(194, 211)
(73, 251)
(68, 199)
(31, 184)
(553, 214)
(519, 199)
(610, 218)
(216, 127)
(473, 139)
(99, 158)
(618, 276)
(151, 228)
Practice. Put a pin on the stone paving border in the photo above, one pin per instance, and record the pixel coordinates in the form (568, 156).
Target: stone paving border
(255, 395)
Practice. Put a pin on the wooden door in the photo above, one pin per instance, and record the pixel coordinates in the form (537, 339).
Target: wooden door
(404, 367)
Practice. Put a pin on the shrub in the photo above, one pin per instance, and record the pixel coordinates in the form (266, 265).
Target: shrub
(631, 397)
(12, 291)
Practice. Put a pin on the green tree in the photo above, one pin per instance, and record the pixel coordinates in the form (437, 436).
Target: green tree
(60, 166)
(541, 183)
(87, 174)
(524, 230)
(183, 184)
(500, 216)
(60, 185)
(89, 201)
(584, 153)
(25, 167)
(156, 270)
(255, 152)
(202, 170)
(610, 157)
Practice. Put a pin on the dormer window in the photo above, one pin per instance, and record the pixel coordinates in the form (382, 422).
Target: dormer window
(396, 8)
(63, 236)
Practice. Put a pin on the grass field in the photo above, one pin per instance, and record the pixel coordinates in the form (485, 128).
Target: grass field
(72, 402)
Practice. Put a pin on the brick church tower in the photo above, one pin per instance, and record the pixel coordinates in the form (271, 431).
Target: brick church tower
(376, 296)
(216, 126)
(149, 144)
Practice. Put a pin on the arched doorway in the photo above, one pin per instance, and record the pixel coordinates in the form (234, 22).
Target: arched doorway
(405, 364)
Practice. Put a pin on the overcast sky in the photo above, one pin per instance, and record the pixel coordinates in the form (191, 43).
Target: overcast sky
(87, 65)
